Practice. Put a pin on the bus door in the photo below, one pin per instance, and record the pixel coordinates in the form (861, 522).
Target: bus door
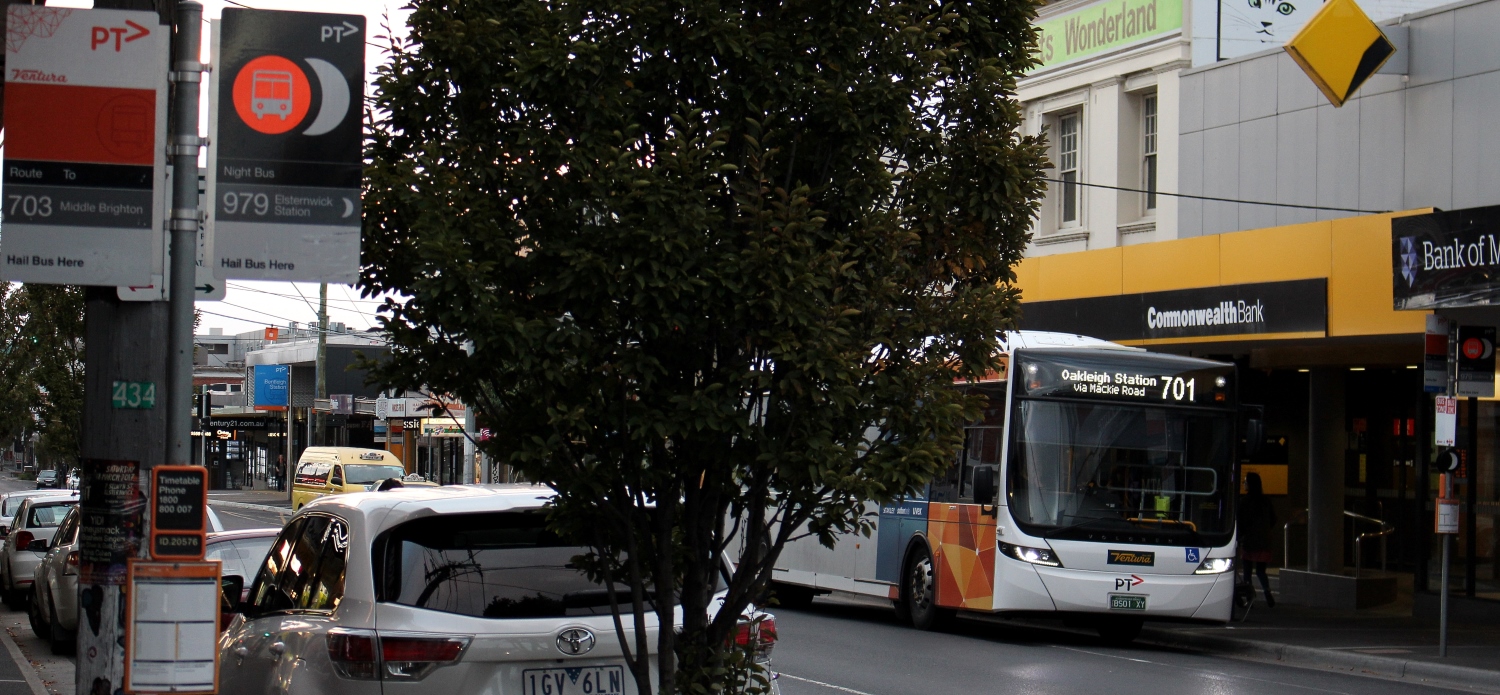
(963, 539)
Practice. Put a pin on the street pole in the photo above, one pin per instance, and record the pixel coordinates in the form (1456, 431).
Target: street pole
(1443, 608)
(123, 341)
(187, 72)
(322, 389)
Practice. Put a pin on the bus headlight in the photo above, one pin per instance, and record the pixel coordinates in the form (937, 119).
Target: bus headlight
(1035, 556)
(1215, 565)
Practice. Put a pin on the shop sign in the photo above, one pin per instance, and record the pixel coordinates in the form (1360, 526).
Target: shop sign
(235, 423)
(1297, 306)
(341, 403)
(442, 427)
(1446, 259)
(1476, 361)
(1105, 26)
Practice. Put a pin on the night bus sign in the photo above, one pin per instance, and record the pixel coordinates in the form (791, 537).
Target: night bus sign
(85, 127)
(285, 148)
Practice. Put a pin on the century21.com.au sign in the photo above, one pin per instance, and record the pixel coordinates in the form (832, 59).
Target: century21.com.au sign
(1105, 26)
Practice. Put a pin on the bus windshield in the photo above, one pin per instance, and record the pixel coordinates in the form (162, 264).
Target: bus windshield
(1102, 471)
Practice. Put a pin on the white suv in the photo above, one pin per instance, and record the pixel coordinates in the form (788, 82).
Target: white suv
(458, 589)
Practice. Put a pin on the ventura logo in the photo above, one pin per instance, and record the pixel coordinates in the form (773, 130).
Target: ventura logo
(1226, 313)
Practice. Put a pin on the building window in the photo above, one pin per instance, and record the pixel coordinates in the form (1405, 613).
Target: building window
(1148, 148)
(1067, 166)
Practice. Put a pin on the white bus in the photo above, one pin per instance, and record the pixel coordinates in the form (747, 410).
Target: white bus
(1099, 484)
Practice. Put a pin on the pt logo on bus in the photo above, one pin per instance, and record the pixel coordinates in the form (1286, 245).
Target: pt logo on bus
(1128, 583)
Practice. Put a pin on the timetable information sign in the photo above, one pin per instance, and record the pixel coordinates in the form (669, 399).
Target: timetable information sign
(285, 159)
(85, 127)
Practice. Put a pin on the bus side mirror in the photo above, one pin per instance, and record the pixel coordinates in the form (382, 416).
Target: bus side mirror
(986, 489)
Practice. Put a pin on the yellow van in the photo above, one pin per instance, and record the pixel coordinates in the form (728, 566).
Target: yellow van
(333, 470)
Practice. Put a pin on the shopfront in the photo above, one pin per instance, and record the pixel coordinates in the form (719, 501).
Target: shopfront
(1306, 311)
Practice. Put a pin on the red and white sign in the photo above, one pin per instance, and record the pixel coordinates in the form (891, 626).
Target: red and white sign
(85, 121)
(1445, 433)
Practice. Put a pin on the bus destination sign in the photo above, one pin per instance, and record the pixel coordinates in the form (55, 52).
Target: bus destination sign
(1166, 379)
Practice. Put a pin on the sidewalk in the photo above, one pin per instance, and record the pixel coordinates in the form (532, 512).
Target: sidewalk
(265, 498)
(1386, 642)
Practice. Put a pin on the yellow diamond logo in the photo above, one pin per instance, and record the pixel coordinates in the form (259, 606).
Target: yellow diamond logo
(1339, 49)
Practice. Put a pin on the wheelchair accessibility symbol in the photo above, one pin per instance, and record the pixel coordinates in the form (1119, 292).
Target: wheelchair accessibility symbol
(1192, 555)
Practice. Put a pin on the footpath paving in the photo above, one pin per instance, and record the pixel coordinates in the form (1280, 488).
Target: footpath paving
(1385, 642)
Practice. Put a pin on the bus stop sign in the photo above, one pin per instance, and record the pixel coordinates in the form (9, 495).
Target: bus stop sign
(284, 153)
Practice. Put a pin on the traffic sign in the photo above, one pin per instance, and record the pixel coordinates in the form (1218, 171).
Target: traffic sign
(85, 122)
(285, 157)
(1340, 48)
(206, 287)
(1476, 361)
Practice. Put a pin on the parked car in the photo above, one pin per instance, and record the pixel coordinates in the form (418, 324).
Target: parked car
(46, 479)
(469, 591)
(335, 470)
(242, 550)
(54, 593)
(36, 523)
(11, 501)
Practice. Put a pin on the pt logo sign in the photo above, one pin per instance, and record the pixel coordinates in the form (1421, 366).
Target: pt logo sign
(284, 152)
(100, 35)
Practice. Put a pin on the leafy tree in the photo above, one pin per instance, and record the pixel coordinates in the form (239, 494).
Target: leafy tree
(707, 268)
(41, 367)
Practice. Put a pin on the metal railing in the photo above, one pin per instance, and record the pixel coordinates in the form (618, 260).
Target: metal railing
(1385, 529)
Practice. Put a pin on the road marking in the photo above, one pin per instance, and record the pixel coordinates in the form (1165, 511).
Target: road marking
(831, 686)
(1217, 674)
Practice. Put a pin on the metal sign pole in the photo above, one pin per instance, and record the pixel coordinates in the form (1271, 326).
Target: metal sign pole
(187, 72)
(1443, 609)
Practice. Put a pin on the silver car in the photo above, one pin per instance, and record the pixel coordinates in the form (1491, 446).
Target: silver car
(458, 589)
(54, 595)
(31, 534)
(11, 501)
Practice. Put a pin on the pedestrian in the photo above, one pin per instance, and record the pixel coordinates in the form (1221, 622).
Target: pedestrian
(1256, 525)
(281, 472)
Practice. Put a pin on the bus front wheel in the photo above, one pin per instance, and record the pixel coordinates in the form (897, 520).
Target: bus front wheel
(919, 592)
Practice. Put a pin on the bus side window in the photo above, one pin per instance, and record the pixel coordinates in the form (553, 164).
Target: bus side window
(945, 486)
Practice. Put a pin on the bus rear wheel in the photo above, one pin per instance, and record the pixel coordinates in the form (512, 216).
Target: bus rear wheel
(919, 592)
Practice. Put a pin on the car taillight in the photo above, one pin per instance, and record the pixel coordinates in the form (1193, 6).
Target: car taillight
(412, 658)
(367, 655)
(71, 568)
(23, 539)
(759, 636)
(353, 654)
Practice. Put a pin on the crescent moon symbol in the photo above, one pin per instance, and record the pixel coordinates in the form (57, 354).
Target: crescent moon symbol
(348, 208)
(335, 104)
(1489, 349)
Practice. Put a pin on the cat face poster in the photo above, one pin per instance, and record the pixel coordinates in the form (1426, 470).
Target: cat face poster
(1224, 29)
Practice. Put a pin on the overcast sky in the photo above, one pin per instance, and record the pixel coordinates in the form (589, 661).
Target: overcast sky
(250, 305)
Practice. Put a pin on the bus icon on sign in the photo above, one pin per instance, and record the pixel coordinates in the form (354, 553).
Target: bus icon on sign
(271, 93)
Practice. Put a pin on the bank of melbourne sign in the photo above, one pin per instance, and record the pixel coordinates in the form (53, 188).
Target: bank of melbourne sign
(1103, 27)
(1297, 306)
(1446, 259)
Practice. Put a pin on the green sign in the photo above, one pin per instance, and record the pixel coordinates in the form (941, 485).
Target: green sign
(1104, 26)
(133, 394)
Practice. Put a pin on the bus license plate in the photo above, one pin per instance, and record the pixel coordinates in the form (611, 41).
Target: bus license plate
(582, 680)
(1126, 602)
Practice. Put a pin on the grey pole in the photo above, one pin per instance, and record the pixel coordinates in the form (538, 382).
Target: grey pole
(1443, 609)
(187, 73)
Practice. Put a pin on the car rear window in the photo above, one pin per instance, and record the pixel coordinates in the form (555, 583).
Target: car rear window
(493, 565)
(48, 516)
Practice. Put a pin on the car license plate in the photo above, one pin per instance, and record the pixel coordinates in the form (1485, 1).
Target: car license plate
(1126, 602)
(581, 680)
